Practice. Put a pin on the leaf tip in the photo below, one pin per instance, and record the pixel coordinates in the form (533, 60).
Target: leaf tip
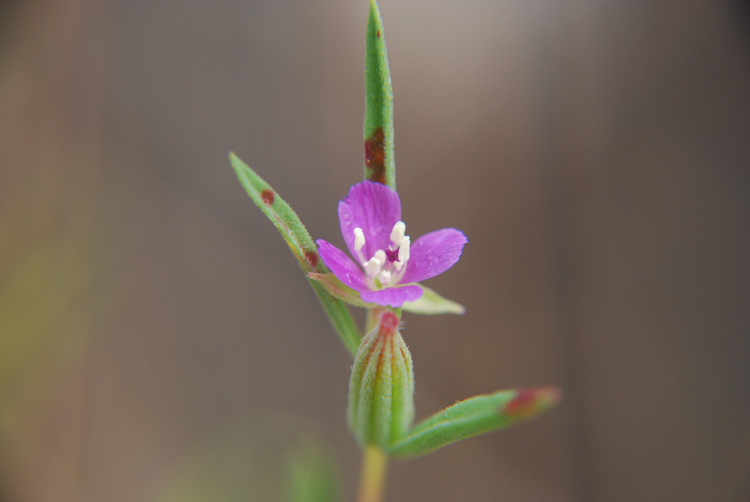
(235, 161)
(532, 401)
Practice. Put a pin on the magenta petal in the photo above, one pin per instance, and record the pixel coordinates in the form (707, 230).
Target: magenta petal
(393, 297)
(374, 208)
(433, 253)
(341, 265)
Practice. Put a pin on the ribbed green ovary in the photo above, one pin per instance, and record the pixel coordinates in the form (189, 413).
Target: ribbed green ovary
(403, 390)
(381, 389)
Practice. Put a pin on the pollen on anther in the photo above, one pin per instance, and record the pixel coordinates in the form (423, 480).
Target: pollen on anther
(359, 239)
(397, 234)
(372, 267)
(403, 249)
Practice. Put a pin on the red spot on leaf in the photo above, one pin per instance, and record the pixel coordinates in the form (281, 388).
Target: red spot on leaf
(312, 258)
(522, 404)
(375, 156)
(267, 196)
(377, 33)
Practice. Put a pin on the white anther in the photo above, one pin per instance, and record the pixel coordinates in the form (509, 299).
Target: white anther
(359, 239)
(398, 265)
(403, 249)
(380, 256)
(397, 234)
(372, 267)
(385, 277)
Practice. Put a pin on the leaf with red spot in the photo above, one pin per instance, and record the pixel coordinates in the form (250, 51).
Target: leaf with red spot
(379, 163)
(303, 248)
(474, 416)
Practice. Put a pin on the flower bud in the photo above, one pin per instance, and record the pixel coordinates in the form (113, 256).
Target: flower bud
(381, 389)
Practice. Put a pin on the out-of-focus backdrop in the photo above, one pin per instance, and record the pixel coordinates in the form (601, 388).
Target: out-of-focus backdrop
(158, 342)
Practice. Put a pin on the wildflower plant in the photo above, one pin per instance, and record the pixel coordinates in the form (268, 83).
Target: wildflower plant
(383, 273)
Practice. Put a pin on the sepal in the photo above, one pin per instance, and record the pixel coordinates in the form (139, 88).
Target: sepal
(339, 290)
(430, 303)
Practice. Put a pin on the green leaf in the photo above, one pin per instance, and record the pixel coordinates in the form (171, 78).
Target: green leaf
(303, 248)
(474, 416)
(432, 303)
(339, 290)
(379, 163)
(313, 475)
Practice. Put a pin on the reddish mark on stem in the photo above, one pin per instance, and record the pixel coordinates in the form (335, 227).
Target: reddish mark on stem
(375, 156)
(312, 258)
(267, 196)
(377, 33)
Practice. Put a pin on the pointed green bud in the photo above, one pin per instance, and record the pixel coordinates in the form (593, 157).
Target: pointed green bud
(381, 389)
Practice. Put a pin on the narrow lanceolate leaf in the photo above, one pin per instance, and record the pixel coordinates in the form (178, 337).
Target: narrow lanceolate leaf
(474, 416)
(379, 164)
(431, 303)
(303, 248)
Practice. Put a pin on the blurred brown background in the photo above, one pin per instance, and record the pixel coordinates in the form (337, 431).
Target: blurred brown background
(154, 325)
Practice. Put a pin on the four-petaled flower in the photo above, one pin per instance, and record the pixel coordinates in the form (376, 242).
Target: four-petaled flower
(370, 219)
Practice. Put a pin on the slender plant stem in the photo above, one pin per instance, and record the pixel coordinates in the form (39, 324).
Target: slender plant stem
(372, 477)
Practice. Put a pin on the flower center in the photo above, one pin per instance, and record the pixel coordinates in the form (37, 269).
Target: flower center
(386, 267)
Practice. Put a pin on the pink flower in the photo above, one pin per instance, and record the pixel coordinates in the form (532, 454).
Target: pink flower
(387, 263)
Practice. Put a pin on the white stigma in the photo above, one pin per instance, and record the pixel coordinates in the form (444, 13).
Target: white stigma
(385, 277)
(403, 250)
(359, 239)
(397, 234)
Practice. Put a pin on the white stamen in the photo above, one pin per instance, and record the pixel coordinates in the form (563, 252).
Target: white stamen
(380, 256)
(385, 277)
(398, 265)
(372, 267)
(403, 249)
(359, 239)
(397, 234)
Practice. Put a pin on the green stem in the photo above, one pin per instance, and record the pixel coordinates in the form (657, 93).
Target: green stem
(372, 478)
